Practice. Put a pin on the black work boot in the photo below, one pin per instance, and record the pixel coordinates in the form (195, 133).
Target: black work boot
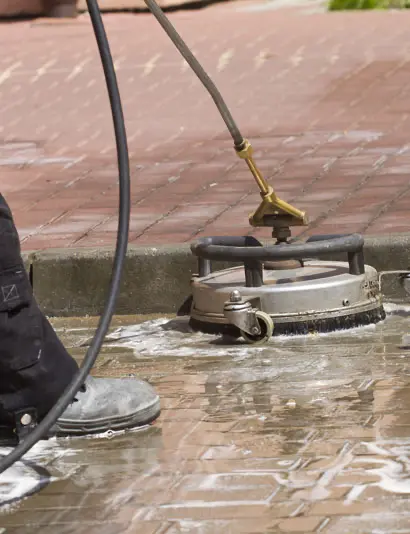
(109, 404)
(35, 368)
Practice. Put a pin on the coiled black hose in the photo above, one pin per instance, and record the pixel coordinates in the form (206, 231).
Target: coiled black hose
(120, 252)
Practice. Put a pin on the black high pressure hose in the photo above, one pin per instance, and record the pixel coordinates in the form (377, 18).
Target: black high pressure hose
(199, 71)
(120, 253)
(228, 248)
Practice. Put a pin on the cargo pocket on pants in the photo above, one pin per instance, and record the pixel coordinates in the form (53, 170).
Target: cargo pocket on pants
(21, 330)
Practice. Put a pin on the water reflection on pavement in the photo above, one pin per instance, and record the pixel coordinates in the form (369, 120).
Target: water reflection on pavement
(302, 435)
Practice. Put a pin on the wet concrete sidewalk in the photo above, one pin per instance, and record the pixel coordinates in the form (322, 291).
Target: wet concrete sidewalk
(323, 97)
(302, 435)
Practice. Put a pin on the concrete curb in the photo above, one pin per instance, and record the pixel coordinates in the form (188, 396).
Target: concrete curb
(156, 279)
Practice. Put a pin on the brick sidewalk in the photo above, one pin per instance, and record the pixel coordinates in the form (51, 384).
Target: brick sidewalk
(323, 97)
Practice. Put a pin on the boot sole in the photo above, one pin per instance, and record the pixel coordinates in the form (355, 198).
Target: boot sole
(145, 416)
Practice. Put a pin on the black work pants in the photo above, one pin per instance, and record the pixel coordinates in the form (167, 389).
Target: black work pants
(35, 368)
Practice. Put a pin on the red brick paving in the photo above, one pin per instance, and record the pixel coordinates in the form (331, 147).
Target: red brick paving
(323, 97)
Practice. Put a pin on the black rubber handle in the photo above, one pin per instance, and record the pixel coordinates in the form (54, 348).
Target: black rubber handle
(234, 248)
(248, 249)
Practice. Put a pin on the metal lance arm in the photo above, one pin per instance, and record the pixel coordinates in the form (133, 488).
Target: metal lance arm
(272, 211)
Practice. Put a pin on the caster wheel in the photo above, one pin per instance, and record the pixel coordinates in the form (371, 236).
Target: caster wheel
(266, 326)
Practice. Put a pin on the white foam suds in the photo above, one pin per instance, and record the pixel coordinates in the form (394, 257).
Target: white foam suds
(162, 337)
(394, 462)
(388, 462)
(174, 339)
(28, 476)
(18, 481)
(23, 478)
(391, 307)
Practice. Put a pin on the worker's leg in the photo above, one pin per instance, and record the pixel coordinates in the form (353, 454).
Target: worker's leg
(35, 368)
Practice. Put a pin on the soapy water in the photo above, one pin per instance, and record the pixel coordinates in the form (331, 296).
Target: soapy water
(241, 363)
(394, 465)
(389, 462)
(39, 466)
(21, 480)
(392, 307)
(29, 475)
(282, 357)
(174, 338)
